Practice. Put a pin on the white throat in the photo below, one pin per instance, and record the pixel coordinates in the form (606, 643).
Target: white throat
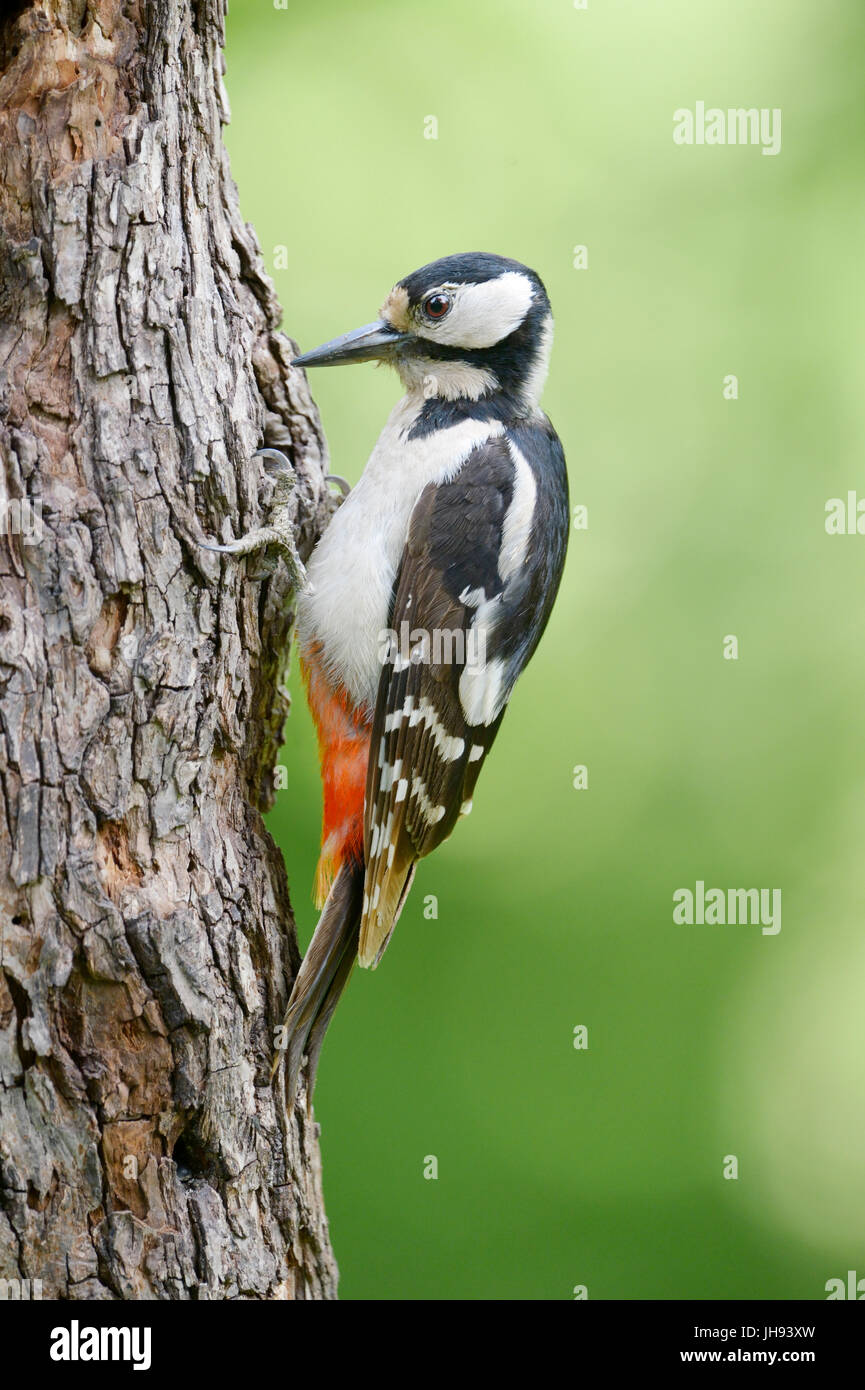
(449, 381)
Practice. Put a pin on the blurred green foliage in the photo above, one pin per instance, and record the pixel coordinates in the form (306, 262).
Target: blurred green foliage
(603, 1167)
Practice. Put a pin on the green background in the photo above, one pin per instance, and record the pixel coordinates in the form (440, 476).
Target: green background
(604, 1167)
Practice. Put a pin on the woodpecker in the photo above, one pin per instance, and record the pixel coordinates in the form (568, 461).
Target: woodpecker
(424, 600)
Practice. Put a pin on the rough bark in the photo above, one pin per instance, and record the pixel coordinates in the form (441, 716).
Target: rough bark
(147, 937)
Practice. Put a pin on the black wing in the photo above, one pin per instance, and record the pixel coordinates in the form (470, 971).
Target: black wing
(478, 577)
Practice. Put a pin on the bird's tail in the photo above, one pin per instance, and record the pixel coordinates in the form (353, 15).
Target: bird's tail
(322, 978)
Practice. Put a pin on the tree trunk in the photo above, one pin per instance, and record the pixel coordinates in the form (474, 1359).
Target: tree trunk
(147, 938)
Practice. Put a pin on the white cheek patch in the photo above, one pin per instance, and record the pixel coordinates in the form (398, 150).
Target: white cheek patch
(483, 314)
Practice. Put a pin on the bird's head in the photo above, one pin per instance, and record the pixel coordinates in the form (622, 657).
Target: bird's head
(461, 328)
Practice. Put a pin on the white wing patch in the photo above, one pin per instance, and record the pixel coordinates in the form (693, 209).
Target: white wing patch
(517, 528)
(482, 692)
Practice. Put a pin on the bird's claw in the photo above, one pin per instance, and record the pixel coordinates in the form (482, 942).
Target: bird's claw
(234, 548)
(342, 483)
(276, 461)
(279, 533)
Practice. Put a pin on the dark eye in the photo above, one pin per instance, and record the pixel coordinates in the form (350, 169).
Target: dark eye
(437, 306)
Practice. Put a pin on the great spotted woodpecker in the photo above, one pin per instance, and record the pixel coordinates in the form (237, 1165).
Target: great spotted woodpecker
(424, 599)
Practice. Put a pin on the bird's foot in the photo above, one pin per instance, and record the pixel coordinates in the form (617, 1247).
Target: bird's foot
(279, 533)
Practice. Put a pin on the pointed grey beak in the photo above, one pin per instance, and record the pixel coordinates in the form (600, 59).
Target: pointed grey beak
(374, 340)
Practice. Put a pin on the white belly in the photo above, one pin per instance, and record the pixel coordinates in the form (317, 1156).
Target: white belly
(345, 603)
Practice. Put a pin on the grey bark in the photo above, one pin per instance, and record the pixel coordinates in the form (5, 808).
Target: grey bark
(147, 938)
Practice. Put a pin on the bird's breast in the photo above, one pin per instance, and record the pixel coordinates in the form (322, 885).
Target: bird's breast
(346, 603)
